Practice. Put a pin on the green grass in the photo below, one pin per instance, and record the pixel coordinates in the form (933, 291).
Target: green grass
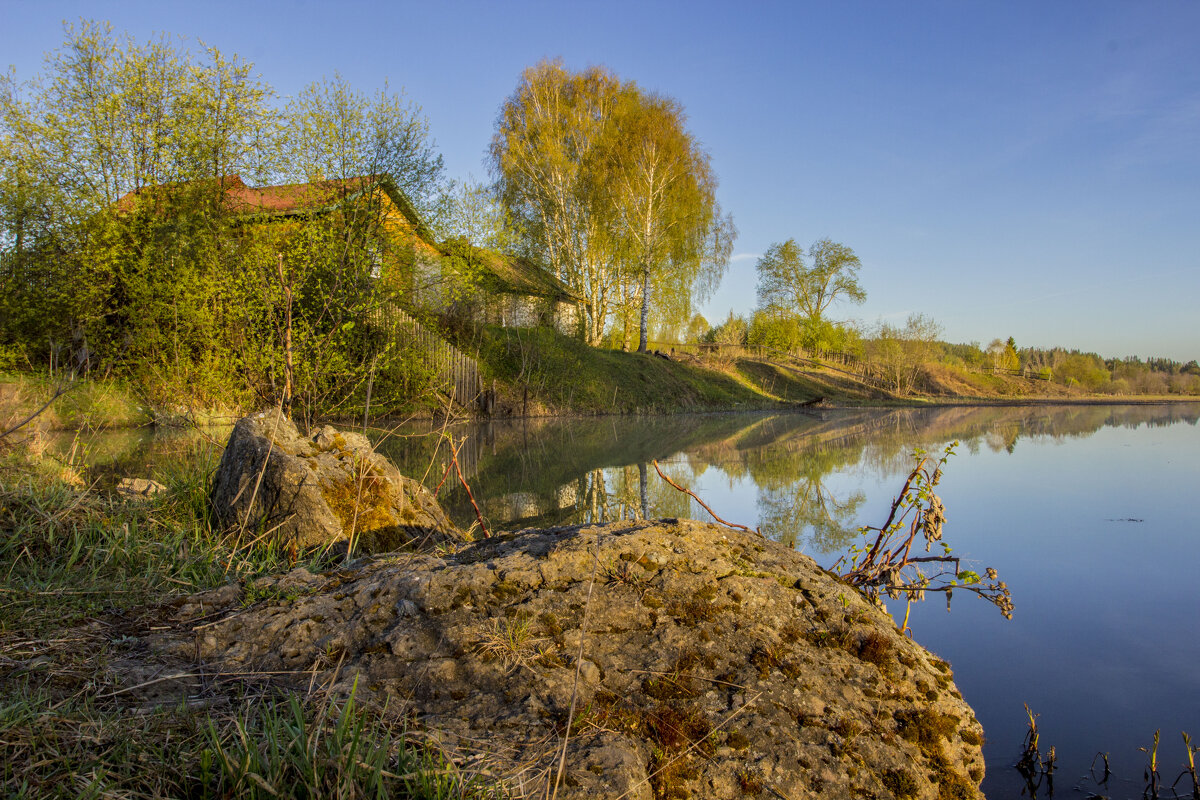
(561, 374)
(540, 371)
(791, 384)
(81, 574)
(338, 750)
(84, 405)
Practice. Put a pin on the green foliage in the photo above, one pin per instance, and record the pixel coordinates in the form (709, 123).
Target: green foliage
(602, 181)
(660, 198)
(11, 355)
(898, 354)
(732, 332)
(697, 329)
(1085, 370)
(542, 155)
(787, 283)
(336, 132)
(474, 214)
(129, 284)
(772, 328)
(1003, 355)
(137, 250)
(962, 355)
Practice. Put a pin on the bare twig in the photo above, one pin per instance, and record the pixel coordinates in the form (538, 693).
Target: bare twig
(449, 464)
(470, 494)
(59, 391)
(692, 494)
(881, 565)
(183, 675)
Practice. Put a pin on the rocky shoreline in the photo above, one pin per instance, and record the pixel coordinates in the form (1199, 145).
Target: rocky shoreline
(636, 659)
(692, 661)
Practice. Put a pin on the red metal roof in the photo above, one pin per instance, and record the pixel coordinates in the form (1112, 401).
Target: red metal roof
(287, 198)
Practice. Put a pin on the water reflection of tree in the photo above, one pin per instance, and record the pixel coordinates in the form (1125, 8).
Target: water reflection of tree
(544, 472)
(638, 493)
(808, 506)
(794, 502)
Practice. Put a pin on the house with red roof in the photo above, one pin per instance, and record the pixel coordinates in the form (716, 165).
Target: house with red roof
(507, 290)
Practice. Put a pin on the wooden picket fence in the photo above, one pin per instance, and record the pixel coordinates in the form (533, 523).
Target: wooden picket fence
(455, 373)
(1027, 371)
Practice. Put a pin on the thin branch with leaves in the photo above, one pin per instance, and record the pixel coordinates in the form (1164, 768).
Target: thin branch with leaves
(884, 563)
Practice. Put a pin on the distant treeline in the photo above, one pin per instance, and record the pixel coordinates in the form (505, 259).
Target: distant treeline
(903, 356)
(1088, 371)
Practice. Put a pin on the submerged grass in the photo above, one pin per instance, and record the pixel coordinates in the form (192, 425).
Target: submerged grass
(77, 564)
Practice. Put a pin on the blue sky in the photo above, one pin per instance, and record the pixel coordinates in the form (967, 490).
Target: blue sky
(1024, 169)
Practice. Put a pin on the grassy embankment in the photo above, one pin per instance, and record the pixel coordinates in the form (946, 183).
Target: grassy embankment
(541, 372)
(538, 371)
(85, 575)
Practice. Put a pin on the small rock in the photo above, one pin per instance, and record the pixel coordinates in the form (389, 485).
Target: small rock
(139, 488)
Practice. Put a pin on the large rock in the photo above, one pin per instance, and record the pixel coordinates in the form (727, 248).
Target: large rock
(700, 662)
(321, 489)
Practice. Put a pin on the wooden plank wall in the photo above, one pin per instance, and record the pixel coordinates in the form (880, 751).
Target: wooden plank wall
(456, 374)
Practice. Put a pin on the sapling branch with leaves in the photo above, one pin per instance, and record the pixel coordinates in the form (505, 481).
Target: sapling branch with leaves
(883, 563)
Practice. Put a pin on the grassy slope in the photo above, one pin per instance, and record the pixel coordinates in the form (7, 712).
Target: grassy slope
(944, 381)
(792, 383)
(543, 372)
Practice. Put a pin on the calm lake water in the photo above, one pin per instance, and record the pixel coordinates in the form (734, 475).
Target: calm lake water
(1089, 513)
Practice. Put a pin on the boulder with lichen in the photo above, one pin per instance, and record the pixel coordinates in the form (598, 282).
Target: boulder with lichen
(672, 658)
(321, 489)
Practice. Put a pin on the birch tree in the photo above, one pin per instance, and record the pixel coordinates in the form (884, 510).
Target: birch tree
(606, 184)
(661, 194)
(543, 160)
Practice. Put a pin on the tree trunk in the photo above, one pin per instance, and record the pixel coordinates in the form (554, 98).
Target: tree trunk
(645, 309)
(643, 492)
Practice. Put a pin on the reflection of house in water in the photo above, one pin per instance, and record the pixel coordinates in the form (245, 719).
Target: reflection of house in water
(568, 495)
(513, 506)
(527, 507)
